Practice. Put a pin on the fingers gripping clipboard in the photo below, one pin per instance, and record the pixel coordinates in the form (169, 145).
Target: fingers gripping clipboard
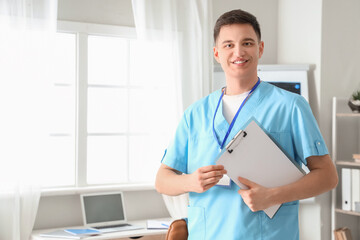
(252, 154)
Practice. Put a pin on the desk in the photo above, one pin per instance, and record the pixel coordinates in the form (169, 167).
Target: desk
(149, 234)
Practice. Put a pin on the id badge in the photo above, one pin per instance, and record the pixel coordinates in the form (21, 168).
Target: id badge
(225, 181)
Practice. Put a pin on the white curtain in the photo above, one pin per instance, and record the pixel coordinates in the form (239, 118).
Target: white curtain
(183, 28)
(27, 30)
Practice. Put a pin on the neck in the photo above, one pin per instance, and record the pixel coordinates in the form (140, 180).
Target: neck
(237, 86)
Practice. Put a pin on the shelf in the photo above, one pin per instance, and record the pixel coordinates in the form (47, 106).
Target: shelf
(344, 121)
(348, 114)
(348, 163)
(347, 212)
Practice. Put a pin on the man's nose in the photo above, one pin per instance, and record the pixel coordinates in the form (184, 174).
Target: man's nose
(239, 51)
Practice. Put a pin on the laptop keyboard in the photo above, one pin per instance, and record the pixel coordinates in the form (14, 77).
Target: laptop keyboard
(113, 226)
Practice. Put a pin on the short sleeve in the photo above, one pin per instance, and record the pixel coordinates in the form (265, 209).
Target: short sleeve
(307, 137)
(176, 155)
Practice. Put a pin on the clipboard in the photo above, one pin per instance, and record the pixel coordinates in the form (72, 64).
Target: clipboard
(252, 154)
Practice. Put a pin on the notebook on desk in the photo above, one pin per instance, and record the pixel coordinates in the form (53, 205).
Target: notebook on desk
(105, 212)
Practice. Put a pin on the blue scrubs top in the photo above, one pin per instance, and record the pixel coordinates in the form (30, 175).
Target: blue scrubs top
(220, 212)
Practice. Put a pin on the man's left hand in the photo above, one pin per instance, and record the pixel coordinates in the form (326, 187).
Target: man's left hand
(256, 197)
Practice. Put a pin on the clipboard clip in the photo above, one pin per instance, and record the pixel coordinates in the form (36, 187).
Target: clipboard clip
(233, 140)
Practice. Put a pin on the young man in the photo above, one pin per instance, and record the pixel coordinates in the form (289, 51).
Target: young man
(216, 212)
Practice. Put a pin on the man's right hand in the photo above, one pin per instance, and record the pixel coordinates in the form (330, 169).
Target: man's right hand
(205, 177)
(173, 183)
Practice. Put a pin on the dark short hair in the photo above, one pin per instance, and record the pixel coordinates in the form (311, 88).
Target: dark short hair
(237, 16)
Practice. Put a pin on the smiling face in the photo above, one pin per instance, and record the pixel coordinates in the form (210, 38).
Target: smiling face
(238, 50)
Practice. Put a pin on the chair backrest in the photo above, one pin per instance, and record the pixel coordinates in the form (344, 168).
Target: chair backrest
(177, 230)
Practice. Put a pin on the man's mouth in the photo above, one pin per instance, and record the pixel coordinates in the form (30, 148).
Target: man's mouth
(240, 61)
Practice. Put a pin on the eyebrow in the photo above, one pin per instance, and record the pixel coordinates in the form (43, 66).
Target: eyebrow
(227, 41)
(248, 39)
(243, 40)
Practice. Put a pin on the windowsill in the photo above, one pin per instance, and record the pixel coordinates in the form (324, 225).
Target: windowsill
(102, 188)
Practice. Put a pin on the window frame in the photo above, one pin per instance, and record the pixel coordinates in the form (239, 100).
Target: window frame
(82, 31)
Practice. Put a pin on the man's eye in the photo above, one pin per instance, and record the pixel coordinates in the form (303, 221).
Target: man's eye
(228, 45)
(248, 44)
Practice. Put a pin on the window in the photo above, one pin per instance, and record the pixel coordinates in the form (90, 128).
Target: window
(111, 122)
(107, 110)
(60, 170)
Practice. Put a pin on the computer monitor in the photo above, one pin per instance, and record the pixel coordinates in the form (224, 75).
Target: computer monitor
(292, 78)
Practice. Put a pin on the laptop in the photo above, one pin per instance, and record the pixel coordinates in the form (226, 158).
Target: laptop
(105, 212)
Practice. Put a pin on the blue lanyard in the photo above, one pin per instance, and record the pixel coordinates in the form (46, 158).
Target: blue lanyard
(235, 117)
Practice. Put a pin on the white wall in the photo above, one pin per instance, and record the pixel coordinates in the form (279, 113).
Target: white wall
(340, 51)
(299, 41)
(112, 12)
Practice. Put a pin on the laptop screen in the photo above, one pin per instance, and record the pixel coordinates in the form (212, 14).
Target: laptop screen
(103, 209)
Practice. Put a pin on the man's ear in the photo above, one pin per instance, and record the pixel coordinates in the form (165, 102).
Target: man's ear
(216, 54)
(261, 48)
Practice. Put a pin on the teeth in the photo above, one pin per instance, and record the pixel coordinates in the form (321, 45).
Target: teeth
(238, 62)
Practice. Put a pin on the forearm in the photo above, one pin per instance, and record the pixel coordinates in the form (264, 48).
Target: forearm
(318, 181)
(310, 185)
(171, 183)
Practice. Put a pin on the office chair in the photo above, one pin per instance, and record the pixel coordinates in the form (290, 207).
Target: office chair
(177, 230)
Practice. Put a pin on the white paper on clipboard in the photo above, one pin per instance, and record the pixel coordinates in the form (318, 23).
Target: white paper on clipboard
(252, 154)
